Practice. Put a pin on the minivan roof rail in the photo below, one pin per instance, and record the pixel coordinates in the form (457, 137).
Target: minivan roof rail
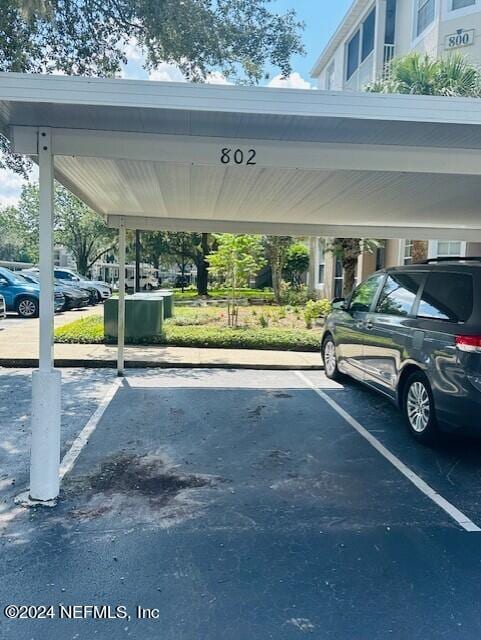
(451, 259)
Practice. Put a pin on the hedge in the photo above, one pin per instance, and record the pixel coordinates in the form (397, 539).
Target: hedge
(90, 331)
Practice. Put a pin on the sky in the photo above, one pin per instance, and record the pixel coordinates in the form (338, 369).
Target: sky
(321, 18)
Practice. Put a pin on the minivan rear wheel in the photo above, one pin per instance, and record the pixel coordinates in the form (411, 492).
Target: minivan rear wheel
(418, 408)
(329, 357)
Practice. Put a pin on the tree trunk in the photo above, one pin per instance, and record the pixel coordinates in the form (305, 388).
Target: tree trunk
(312, 277)
(82, 264)
(349, 267)
(203, 267)
(276, 280)
(420, 251)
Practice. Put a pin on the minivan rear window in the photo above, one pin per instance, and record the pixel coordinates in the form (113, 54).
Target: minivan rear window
(447, 296)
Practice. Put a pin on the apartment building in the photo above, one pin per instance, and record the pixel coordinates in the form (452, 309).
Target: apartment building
(371, 34)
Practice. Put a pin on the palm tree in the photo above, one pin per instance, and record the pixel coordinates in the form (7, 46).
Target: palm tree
(417, 74)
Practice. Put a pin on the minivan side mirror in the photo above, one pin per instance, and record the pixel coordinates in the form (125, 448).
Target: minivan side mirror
(339, 304)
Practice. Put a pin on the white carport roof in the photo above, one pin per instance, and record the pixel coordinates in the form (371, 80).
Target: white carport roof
(332, 164)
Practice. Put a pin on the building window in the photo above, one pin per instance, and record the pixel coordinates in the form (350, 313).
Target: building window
(331, 69)
(353, 54)
(338, 279)
(408, 252)
(390, 34)
(460, 4)
(322, 262)
(361, 44)
(368, 29)
(425, 15)
(448, 249)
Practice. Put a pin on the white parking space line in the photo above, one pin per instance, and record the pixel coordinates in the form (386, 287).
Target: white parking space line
(83, 437)
(418, 482)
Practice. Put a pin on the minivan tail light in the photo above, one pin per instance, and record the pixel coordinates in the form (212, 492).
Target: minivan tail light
(471, 344)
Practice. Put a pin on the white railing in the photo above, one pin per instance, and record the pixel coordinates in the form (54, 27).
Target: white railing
(389, 54)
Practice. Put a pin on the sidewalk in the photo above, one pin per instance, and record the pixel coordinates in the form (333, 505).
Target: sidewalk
(19, 348)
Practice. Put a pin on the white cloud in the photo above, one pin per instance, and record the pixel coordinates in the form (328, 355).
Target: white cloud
(217, 78)
(133, 51)
(11, 186)
(294, 81)
(167, 72)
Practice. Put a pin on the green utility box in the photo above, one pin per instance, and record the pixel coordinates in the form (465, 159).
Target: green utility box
(143, 317)
(168, 297)
(166, 294)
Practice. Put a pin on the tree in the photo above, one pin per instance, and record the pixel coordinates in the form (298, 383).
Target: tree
(422, 75)
(348, 251)
(155, 246)
(236, 258)
(297, 263)
(12, 246)
(181, 247)
(276, 249)
(201, 259)
(77, 227)
(81, 230)
(238, 38)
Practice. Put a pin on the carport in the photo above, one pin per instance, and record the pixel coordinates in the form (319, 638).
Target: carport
(234, 159)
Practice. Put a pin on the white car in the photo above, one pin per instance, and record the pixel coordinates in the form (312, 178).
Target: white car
(3, 308)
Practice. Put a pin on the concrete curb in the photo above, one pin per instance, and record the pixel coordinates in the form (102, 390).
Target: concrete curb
(28, 363)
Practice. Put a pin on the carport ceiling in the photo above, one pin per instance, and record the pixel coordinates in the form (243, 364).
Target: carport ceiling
(310, 162)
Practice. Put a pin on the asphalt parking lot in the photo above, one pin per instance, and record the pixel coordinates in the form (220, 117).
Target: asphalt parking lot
(240, 504)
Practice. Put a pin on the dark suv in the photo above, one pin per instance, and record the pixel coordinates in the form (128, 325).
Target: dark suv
(414, 334)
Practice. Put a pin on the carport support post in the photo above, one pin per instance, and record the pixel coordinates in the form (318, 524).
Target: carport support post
(46, 381)
(121, 307)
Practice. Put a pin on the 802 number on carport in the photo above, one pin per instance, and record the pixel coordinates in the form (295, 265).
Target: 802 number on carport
(238, 156)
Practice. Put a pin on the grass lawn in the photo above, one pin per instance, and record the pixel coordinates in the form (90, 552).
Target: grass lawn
(278, 328)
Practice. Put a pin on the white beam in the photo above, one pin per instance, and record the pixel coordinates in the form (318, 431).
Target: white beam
(121, 303)
(280, 154)
(297, 229)
(46, 382)
(380, 36)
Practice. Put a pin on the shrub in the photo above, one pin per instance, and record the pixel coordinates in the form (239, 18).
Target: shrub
(263, 321)
(315, 309)
(294, 296)
(91, 331)
(297, 263)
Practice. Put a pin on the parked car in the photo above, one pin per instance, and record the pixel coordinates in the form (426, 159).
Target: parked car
(74, 298)
(95, 292)
(3, 308)
(101, 290)
(23, 296)
(414, 334)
